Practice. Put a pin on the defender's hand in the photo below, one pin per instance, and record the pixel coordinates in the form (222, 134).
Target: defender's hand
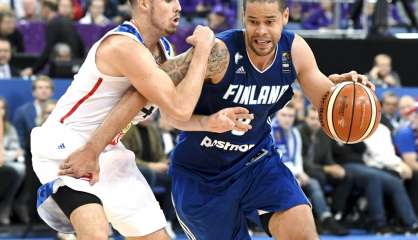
(351, 76)
(203, 37)
(82, 163)
(227, 119)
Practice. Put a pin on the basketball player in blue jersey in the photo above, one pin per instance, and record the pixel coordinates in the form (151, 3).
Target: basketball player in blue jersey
(219, 178)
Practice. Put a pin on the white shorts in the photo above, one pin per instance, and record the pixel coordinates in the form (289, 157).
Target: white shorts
(128, 202)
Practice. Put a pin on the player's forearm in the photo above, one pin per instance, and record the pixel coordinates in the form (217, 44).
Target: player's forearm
(119, 117)
(190, 88)
(195, 123)
(177, 68)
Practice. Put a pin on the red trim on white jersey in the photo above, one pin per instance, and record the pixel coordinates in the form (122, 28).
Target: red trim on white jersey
(83, 99)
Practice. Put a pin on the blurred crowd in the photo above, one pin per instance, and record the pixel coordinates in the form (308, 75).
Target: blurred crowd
(371, 185)
(52, 36)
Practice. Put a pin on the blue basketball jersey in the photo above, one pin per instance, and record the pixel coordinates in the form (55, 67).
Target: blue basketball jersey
(216, 156)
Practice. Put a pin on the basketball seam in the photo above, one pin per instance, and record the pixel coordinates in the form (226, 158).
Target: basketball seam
(373, 116)
(352, 112)
(331, 110)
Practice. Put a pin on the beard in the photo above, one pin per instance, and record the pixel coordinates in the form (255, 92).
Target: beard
(156, 23)
(260, 53)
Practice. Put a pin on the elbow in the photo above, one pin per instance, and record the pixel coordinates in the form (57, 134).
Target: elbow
(181, 112)
(182, 115)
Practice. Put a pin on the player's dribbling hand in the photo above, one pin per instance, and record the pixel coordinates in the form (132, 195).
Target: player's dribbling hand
(227, 119)
(202, 37)
(352, 76)
(81, 163)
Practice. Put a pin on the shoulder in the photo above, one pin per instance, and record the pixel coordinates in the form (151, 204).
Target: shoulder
(118, 45)
(404, 132)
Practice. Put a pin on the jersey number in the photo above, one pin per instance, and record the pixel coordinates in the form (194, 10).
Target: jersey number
(244, 121)
(147, 111)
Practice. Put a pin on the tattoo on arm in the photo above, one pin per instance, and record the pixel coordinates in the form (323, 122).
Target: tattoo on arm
(177, 67)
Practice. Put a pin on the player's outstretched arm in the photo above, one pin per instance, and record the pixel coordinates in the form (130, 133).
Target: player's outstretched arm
(225, 120)
(313, 82)
(132, 101)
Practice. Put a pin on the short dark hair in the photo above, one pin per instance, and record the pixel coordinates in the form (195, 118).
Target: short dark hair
(290, 105)
(282, 3)
(3, 39)
(132, 2)
(388, 94)
(5, 14)
(52, 5)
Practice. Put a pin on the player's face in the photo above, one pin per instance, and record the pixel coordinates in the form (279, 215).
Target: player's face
(286, 117)
(264, 23)
(165, 15)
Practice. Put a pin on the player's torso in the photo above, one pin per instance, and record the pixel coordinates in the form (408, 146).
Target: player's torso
(93, 94)
(261, 92)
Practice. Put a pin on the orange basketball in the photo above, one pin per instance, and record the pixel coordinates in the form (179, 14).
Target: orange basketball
(350, 112)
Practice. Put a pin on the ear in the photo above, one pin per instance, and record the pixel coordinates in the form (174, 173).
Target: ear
(144, 4)
(286, 16)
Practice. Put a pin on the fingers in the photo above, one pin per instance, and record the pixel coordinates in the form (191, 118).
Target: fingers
(241, 126)
(242, 116)
(238, 110)
(191, 40)
(352, 76)
(65, 165)
(67, 172)
(94, 178)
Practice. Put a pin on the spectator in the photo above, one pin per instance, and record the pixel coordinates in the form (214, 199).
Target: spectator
(62, 64)
(111, 10)
(288, 141)
(381, 154)
(406, 141)
(382, 74)
(216, 19)
(14, 158)
(7, 177)
(298, 101)
(145, 141)
(30, 11)
(47, 109)
(26, 117)
(319, 162)
(390, 117)
(168, 135)
(58, 30)
(65, 8)
(95, 14)
(8, 30)
(373, 182)
(6, 70)
(406, 104)
(320, 17)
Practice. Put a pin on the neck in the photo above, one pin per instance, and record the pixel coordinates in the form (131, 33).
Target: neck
(40, 102)
(149, 34)
(52, 15)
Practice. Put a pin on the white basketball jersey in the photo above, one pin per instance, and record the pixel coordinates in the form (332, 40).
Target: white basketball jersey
(92, 94)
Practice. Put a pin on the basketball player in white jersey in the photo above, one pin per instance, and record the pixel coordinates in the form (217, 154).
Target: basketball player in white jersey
(126, 56)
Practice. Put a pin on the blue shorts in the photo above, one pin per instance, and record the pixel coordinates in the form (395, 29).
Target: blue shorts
(212, 212)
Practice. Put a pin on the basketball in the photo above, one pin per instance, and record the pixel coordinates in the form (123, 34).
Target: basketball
(350, 112)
